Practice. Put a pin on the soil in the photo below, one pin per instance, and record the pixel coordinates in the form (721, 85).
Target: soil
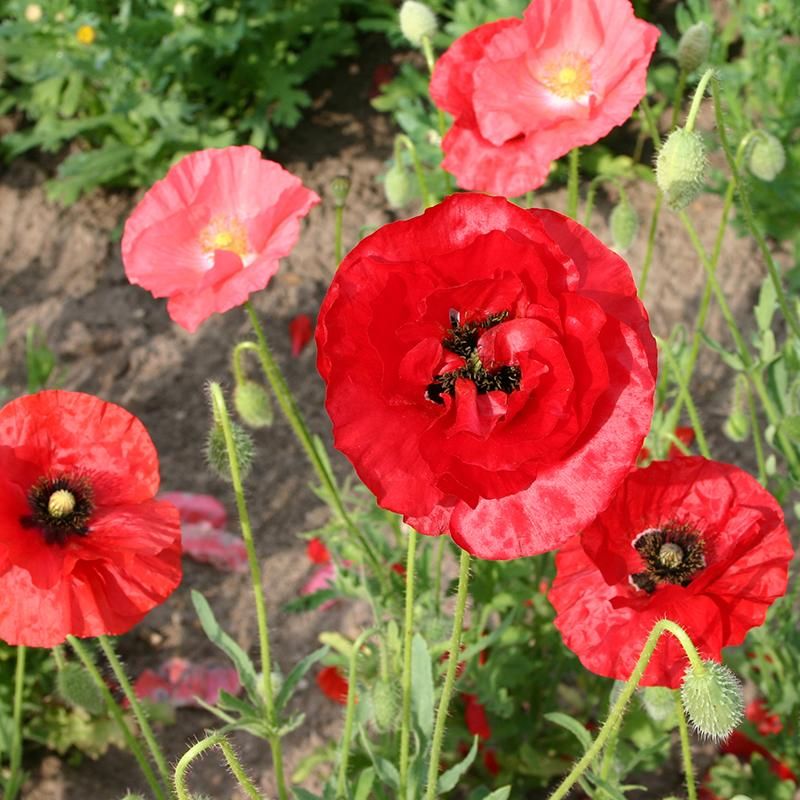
(60, 270)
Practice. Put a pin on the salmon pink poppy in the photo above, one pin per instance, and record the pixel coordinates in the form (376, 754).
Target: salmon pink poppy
(213, 230)
(84, 548)
(525, 92)
(490, 372)
(696, 541)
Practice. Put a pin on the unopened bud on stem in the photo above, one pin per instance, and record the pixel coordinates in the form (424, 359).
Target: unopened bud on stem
(712, 699)
(417, 22)
(694, 46)
(681, 167)
(766, 157)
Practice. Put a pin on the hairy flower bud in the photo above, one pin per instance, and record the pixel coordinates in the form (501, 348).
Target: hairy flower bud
(340, 188)
(766, 157)
(680, 168)
(253, 404)
(712, 699)
(624, 225)
(417, 21)
(694, 46)
(217, 452)
(397, 186)
(385, 704)
(77, 687)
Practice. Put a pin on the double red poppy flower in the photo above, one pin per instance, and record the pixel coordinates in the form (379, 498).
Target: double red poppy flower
(490, 372)
(84, 548)
(691, 540)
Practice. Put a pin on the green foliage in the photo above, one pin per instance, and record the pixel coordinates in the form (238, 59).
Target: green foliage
(730, 778)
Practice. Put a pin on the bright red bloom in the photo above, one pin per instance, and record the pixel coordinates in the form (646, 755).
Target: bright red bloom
(213, 230)
(333, 684)
(84, 548)
(475, 717)
(300, 333)
(490, 761)
(696, 541)
(767, 724)
(398, 569)
(526, 92)
(317, 552)
(490, 372)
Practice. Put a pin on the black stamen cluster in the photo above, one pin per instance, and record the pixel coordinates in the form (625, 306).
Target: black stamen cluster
(57, 530)
(677, 563)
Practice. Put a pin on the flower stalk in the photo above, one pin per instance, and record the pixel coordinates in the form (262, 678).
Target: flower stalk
(14, 782)
(686, 750)
(408, 632)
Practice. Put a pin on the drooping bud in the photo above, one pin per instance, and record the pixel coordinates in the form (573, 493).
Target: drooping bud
(694, 46)
(397, 186)
(712, 699)
(253, 404)
(737, 426)
(681, 167)
(624, 225)
(658, 702)
(417, 21)
(766, 157)
(385, 704)
(77, 687)
(340, 188)
(217, 452)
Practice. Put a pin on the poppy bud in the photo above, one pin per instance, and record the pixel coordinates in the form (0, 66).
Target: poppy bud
(340, 188)
(397, 186)
(217, 452)
(737, 426)
(77, 687)
(712, 699)
(385, 705)
(658, 702)
(694, 46)
(253, 404)
(624, 224)
(680, 168)
(766, 157)
(417, 21)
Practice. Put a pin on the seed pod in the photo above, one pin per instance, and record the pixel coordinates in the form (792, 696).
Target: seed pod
(217, 452)
(694, 46)
(397, 186)
(77, 687)
(624, 225)
(417, 21)
(340, 188)
(766, 157)
(680, 168)
(253, 404)
(712, 699)
(385, 704)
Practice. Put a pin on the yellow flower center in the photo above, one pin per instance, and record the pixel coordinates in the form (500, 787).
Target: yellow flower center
(86, 34)
(61, 504)
(225, 233)
(569, 76)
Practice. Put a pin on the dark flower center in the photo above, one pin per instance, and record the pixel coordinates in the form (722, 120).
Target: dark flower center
(463, 341)
(60, 508)
(671, 554)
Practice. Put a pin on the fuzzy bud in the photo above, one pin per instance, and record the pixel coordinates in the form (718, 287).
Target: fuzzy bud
(217, 452)
(340, 188)
(766, 157)
(77, 687)
(694, 46)
(385, 705)
(712, 700)
(658, 702)
(253, 404)
(417, 21)
(397, 186)
(680, 168)
(624, 224)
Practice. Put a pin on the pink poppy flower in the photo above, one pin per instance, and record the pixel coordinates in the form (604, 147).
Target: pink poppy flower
(213, 230)
(526, 92)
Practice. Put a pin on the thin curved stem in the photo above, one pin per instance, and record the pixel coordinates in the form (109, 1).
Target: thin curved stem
(408, 632)
(573, 180)
(686, 749)
(14, 782)
(437, 575)
(223, 419)
(195, 751)
(757, 441)
(338, 224)
(450, 677)
(405, 141)
(238, 770)
(116, 712)
(236, 360)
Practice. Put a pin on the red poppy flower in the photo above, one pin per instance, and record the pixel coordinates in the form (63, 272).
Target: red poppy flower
(490, 761)
(490, 372)
(300, 333)
(317, 552)
(398, 569)
(333, 684)
(475, 717)
(84, 548)
(526, 92)
(213, 230)
(767, 724)
(695, 541)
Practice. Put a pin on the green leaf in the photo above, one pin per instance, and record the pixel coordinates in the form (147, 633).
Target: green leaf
(767, 303)
(72, 95)
(790, 426)
(309, 602)
(449, 779)
(244, 666)
(422, 686)
(304, 794)
(364, 785)
(573, 726)
(296, 675)
(482, 793)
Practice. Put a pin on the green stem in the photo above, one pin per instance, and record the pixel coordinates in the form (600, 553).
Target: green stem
(136, 707)
(697, 100)
(408, 632)
(405, 141)
(430, 60)
(529, 199)
(686, 750)
(450, 678)
(651, 242)
(237, 368)
(677, 98)
(609, 751)
(437, 575)
(295, 419)
(618, 709)
(223, 419)
(337, 234)
(757, 441)
(195, 751)
(14, 782)
(238, 770)
(572, 182)
(116, 712)
(347, 735)
(747, 210)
